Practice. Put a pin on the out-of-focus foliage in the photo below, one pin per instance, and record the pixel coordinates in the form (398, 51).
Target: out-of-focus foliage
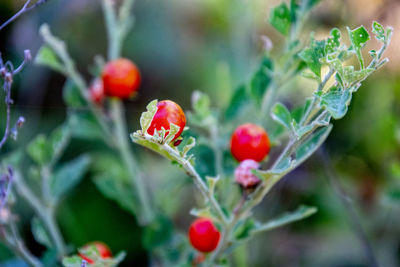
(215, 45)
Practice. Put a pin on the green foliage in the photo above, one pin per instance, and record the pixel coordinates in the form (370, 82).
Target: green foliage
(40, 234)
(47, 57)
(69, 175)
(280, 18)
(261, 80)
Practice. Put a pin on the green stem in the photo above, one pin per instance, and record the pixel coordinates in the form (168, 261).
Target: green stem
(121, 137)
(16, 244)
(46, 213)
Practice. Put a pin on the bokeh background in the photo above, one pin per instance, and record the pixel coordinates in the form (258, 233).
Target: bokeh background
(214, 46)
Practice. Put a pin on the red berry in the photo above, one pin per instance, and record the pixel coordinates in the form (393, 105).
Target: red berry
(103, 249)
(168, 112)
(96, 91)
(203, 235)
(121, 78)
(250, 141)
(244, 176)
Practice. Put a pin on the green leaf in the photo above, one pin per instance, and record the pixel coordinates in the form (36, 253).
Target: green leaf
(189, 145)
(69, 175)
(72, 96)
(261, 80)
(74, 261)
(300, 213)
(336, 101)
(201, 104)
(83, 125)
(158, 233)
(311, 144)
(358, 37)
(118, 190)
(333, 42)
(281, 114)
(244, 229)
(40, 234)
(147, 117)
(238, 101)
(280, 18)
(47, 57)
(39, 150)
(58, 141)
(379, 31)
(312, 56)
(173, 129)
(212, 182)
(202, 213)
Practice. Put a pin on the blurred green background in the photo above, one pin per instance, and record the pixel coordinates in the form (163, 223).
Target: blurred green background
(214, 46)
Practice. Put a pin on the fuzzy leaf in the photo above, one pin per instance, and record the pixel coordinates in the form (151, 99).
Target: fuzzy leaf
(312, 56)
(40, 234)
(336, 101)
(72, 96)
(201, 104)
(201, 213)
(261, 80)
(147, 117)
(69, 175)
(280, 18)
(358, 37)
(281, 114)
(238, 101)
(300, 213)
(379, 31)
(189, 145)
(47, 57)
(212, 182)
(39, 150)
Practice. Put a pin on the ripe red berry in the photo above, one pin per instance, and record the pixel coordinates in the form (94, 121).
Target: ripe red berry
(250, 141)
(244, 176)
(204, 235)
(121, 78)
(96, 92)
(103, 249)
(168, 112)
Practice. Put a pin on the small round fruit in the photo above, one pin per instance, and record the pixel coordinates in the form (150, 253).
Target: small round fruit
(103, 249)
(250, 141)
(204, 235)
(121, 78)
(96, 92)
(244, 176)
(168, 112)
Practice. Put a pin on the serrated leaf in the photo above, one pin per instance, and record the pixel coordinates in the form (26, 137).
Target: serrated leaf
(312, 56)
(173, 129)
(47, 57)
(212, 182)
(147, 117)
(379, 31)
(201, 104)
(238, 101)
(336, 101)
(72, 96)
(300, 213)
(39, 150)
(261, 80)
(333, 42)
(358, 37)
(280, 18)
(69, 175)
(40, 234)
(189, 145)
(281, 114)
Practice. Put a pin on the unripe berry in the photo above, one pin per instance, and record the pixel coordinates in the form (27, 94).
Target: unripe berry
(121, 78)
(250, 141)
(96, 92)
(244, 175)
(103, 249)
(168, 112)
(204, 235)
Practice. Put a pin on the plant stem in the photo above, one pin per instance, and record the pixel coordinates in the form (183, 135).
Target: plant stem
(16, 244)
(46, 213)
(121, 139)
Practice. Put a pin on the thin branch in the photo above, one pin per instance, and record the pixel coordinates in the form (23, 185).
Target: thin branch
(24, 9)
(348, 207)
